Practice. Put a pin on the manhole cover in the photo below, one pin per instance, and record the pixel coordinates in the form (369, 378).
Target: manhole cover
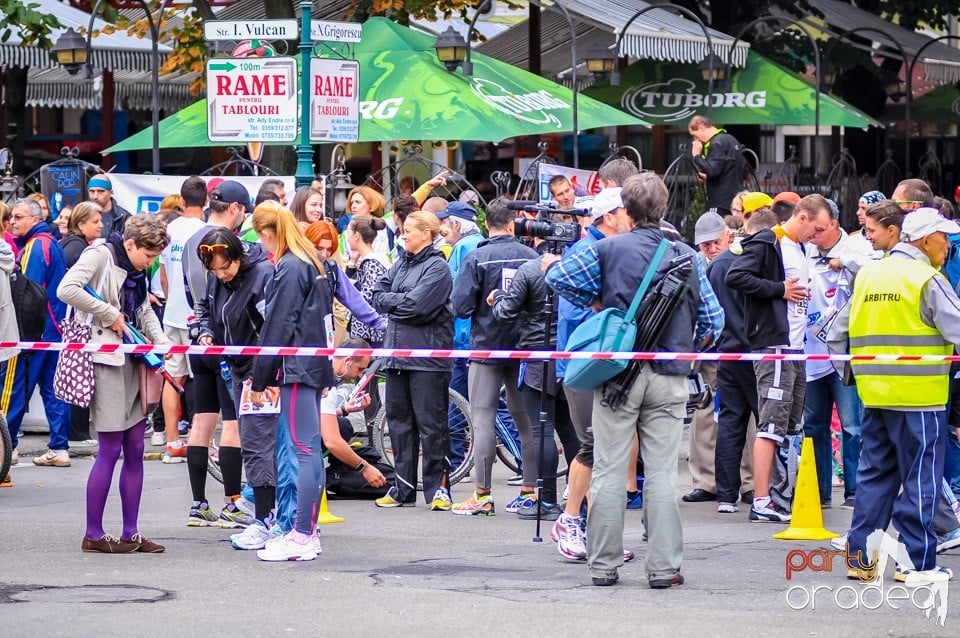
(83, 594)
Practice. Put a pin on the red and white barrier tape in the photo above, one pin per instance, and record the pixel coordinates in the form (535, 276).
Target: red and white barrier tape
(427, 353)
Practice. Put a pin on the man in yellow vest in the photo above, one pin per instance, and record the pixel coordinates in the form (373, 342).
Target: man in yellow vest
(902, 305)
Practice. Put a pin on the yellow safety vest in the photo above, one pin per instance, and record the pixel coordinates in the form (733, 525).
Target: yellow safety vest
(885, 319)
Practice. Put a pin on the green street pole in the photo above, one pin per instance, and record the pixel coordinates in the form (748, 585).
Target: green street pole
(305, 173)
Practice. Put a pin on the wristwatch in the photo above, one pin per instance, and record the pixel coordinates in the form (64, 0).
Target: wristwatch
(360, 467)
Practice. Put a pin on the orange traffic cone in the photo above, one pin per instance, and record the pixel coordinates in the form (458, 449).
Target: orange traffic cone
(806, 524)
(325, 517)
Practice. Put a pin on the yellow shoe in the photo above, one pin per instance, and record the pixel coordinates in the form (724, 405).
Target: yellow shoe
(476, 506)
(6, 481)
(389, 500)
(441, 501)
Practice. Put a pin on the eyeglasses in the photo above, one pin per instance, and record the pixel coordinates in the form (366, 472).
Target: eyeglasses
(211, 249)
(903, 202)
(20, 217)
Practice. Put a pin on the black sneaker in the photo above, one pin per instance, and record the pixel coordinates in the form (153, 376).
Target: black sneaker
(666, 583)
(847, 504)
(606, 581)
(548, 512)
(772, 513)
(747, 498)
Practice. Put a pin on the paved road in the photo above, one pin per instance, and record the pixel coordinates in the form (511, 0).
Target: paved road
(405, 572)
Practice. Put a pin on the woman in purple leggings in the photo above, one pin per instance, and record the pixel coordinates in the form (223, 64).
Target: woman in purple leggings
(115, 270)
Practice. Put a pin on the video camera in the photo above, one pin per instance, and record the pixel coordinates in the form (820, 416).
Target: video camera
(544, 228)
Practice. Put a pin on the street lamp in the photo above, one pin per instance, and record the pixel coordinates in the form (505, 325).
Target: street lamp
(909, 87)
(70, 51)
(452, 49)
(599, 61)
(891, 83)
(69, 54)
(817, 70)
(338, 180)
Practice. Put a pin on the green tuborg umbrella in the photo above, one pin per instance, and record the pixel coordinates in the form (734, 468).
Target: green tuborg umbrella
(761, 93)
(407, 94)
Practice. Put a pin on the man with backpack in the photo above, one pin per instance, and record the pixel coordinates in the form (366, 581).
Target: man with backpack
(42, 262)
(719, 162)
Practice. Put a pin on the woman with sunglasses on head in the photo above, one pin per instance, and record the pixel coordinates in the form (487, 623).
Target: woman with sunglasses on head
(115, 270)
(236, 293)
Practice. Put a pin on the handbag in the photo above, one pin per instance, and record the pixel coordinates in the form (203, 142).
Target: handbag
(610, 330)
(73, 380)
(151, 385)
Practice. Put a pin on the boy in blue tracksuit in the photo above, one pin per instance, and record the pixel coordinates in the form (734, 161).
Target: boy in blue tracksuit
(41, 259)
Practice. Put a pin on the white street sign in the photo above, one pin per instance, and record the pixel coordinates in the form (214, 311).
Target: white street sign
(324, 31)
(251, 30)
(252, 100)
(334, 100)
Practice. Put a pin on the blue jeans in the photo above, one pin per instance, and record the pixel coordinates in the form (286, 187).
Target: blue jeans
(817, 414)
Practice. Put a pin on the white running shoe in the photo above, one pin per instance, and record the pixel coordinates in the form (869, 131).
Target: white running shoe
(292, 546)
(246, 507)
(568, 537)
(158, 438)
(255, 536)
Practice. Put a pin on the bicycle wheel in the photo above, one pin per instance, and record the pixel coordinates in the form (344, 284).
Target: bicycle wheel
(512, 462)
(6, 447)
(461, 436)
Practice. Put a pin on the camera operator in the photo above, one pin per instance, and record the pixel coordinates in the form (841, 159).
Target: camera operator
(491, 266)
(608, 274)
(525, 302)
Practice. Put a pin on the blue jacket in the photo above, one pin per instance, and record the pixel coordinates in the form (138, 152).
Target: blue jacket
(466, 245)
(570, 315)
(42, 260)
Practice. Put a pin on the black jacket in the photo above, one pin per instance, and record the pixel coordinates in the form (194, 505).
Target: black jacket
(298, 300)
(525, 303)
(721, 165)
(484, 270)
(72, 246)
(415, 297)
(734, 335)
(114, 219)
(238, 306)
(758, 275)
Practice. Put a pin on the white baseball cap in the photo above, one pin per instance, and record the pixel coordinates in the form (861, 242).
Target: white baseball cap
(606, 201)
(925, 221)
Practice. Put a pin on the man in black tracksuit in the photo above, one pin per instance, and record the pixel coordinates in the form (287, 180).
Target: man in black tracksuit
(491, 267)
(716, 154)
(736, 380)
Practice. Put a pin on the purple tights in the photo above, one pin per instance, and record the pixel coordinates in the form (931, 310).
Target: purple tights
(130, 442)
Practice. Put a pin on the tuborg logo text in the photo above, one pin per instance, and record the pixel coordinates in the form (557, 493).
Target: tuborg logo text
(529, 107)
(675, 100)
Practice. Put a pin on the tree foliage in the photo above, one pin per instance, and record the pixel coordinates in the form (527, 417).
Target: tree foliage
(24, 18)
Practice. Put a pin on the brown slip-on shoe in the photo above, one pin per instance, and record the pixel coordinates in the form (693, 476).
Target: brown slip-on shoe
(145, 545)
(107, 545)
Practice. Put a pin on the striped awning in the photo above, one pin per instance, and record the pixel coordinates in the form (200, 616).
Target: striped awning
(940, 60)
(657, 34)
(132, 90)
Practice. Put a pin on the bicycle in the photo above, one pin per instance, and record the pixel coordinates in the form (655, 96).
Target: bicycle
(461, 431)
(6, 447)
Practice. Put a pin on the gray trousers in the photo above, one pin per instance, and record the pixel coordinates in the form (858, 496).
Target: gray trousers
(485, 381)
(655, 408)
(258, 444)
